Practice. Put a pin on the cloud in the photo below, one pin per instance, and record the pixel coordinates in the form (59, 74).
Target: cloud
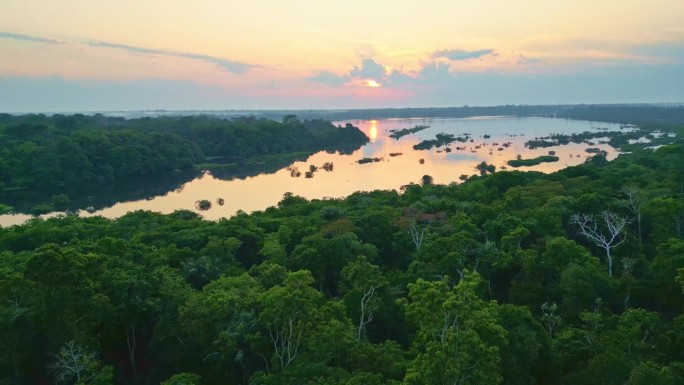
(623, 84)
(236, 67)
(667, 51)
(459, 54)
(434, 72)
(524, 60)
(327, 77)
(361, 74)
(397, 77)
(232, 66)
(20, 37)
(369, 69)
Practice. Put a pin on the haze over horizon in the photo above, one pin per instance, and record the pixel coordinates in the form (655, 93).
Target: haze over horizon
(131, 55)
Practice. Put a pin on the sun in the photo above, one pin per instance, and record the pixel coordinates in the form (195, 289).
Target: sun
(372, 83)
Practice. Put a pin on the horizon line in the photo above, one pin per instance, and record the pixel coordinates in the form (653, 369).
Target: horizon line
(304, 109)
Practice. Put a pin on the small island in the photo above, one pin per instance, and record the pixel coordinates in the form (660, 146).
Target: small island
(441, 139)
(533, 161)
(368, 160)
(396, 134)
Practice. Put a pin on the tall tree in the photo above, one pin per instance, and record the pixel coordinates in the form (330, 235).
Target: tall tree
(458, 340)
(288, 314)
(362, 279)
(634, 203)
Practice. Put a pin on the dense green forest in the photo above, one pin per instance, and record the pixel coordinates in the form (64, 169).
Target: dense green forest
(509, 278)
(59, 153)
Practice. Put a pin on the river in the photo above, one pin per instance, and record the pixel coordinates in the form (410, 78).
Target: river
(494, 140)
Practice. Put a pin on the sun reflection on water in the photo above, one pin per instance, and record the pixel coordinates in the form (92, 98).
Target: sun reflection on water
(373, 132)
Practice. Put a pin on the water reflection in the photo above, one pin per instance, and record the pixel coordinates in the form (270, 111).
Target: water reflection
(494, 140)
(373, 130)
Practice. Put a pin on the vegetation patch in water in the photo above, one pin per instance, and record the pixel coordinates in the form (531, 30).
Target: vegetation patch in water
(533, 161)
(440, 140)
(368, 160)
(403, 132)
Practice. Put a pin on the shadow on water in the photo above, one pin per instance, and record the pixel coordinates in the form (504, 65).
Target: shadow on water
(271, 165)
(98, 196)
(252, 168)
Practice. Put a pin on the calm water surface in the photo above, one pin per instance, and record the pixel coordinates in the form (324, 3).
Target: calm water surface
(391, 172)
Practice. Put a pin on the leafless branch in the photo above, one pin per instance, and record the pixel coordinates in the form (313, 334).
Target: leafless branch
(589, 227)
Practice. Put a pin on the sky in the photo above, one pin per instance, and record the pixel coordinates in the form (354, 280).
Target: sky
(106, 55)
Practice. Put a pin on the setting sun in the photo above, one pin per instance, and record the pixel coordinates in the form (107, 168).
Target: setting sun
(373, 84)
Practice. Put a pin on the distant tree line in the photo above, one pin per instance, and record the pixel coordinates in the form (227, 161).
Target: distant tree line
(652, 116)
(640, 114)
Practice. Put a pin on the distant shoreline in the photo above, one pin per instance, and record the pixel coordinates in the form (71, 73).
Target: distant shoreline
(546, 110)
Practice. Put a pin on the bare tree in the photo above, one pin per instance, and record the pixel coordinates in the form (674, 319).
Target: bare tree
(365, 279)
(286, 340)
(549, 317)
(417, 233)
(131, 342)
(366, 310)
(614, 224)
(74, 362)
(417, 224)
(628, 279)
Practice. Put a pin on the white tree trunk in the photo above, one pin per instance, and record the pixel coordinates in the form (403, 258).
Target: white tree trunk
(606, 240)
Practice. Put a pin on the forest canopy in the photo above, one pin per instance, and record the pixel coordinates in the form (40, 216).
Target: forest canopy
(46, 152)
(509, 278)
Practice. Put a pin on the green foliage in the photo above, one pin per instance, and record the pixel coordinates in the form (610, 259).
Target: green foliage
(441, 139)
(183, 379)
(60, 202)
(650, 373)
(42, 209)
(288, 311)
(104, 377)
(532, 162)
(458, 340)
(4, 209)
(523, 356)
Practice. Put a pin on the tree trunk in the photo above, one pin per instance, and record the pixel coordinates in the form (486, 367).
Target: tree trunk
(131, 342)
